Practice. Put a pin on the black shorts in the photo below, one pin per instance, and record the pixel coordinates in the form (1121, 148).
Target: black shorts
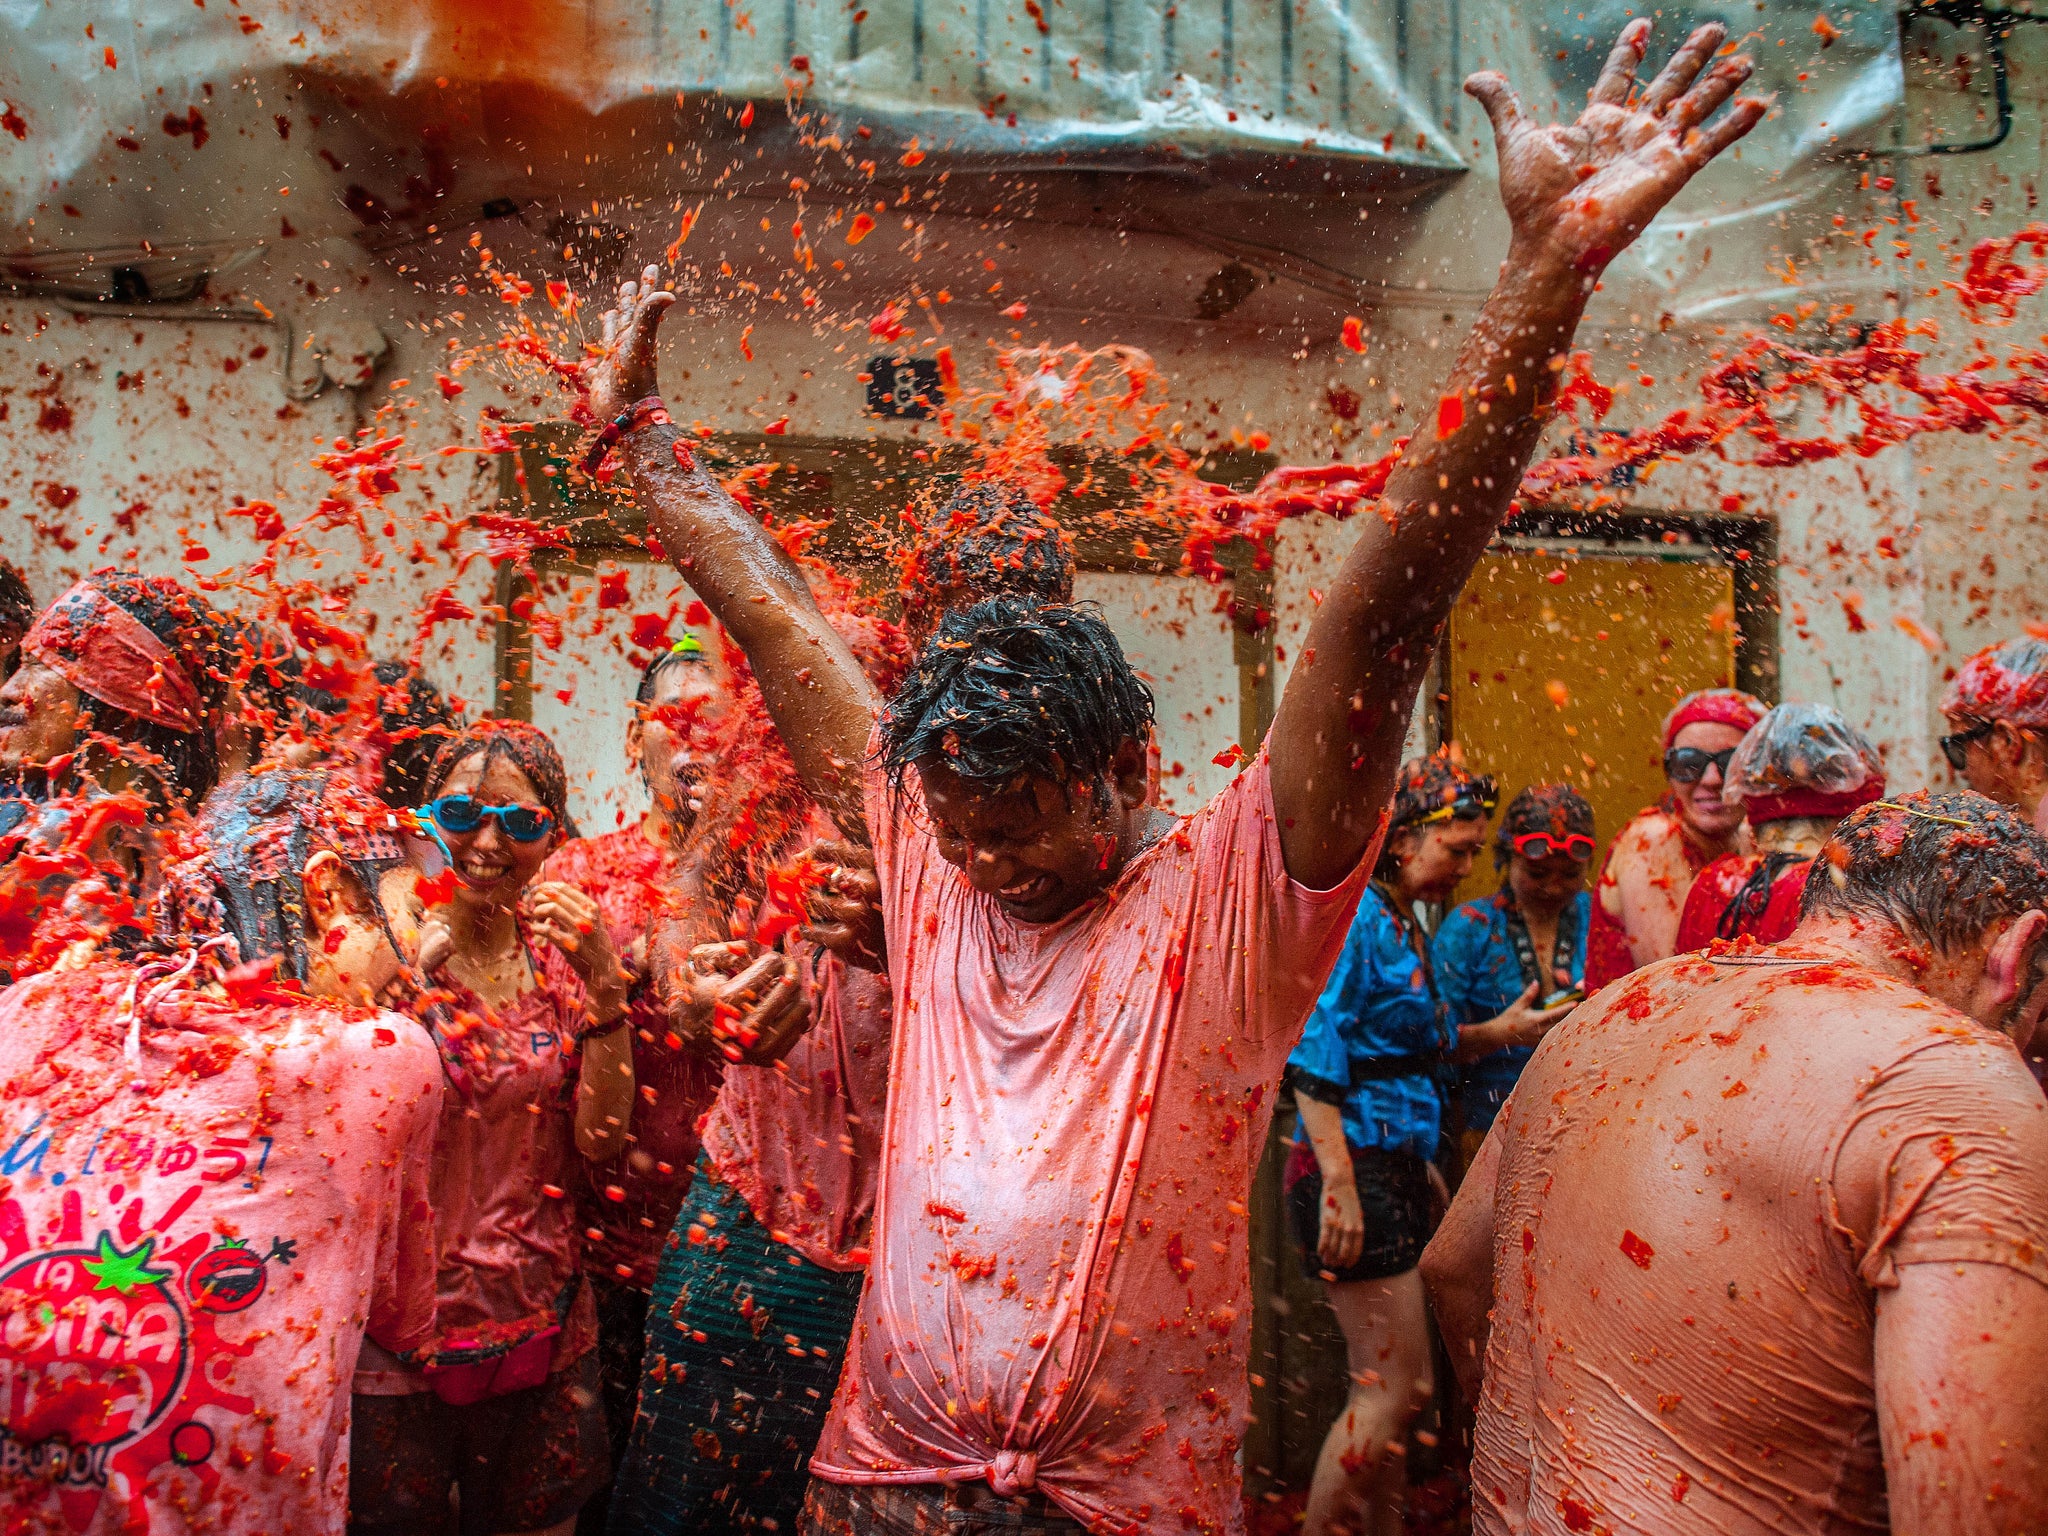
(1393, 1193)
(525, 1461)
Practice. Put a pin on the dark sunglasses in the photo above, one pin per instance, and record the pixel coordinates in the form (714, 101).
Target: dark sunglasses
(1541, 845)
(465, 813)
(1688, 765)
(1956, 746)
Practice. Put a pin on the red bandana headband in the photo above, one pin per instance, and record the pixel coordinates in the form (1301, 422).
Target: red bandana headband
(1713, 706)
(108, 654)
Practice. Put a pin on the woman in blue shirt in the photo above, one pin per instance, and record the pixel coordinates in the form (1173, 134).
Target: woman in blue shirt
(1518, 948)
(1359, 1182)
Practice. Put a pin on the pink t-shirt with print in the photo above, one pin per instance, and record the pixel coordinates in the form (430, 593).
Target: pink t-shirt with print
(194, 1239)
(1059, 1297)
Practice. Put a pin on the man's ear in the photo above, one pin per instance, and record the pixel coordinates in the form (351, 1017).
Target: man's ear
(2009, 963)
(2009, 744)
(1131, 771)
(636, 731)
(329, 894)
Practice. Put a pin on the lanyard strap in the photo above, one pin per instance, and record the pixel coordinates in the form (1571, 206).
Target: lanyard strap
(1525, 952)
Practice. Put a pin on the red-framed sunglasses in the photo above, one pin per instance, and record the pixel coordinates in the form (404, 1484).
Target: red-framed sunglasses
(1541, 845)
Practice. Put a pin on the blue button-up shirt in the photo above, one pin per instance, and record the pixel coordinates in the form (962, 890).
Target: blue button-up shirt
(1479, 975)
(1377, 1003)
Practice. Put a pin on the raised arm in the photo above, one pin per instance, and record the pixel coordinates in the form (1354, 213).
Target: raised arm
(1576, 195)
(814, 688)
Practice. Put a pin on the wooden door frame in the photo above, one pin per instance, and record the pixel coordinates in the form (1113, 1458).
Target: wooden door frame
(536, 482)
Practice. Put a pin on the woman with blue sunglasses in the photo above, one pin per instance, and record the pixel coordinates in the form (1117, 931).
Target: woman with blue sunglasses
(531, 1015)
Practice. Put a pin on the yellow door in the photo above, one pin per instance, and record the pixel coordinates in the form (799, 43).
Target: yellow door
(1563, 662)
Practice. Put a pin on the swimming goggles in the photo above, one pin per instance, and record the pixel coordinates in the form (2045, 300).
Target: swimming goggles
(1541, 845)
(465, 813)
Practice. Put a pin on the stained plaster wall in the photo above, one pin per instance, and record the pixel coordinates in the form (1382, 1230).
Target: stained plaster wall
(157, 430)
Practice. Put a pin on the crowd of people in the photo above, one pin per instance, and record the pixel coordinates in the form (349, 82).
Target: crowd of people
(863, 1142)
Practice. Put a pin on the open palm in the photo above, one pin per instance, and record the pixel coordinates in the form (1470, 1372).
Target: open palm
(1579, 192)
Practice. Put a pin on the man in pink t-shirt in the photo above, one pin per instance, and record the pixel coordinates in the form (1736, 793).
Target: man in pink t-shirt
(1093, 998)
(212, 1189)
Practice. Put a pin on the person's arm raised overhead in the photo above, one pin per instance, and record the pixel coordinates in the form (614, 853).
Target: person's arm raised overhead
(814, 687)
(1576, 194)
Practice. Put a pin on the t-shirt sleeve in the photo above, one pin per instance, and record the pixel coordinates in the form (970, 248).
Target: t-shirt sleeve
(402, 1303)
(1944, 1160)
(1287, 936)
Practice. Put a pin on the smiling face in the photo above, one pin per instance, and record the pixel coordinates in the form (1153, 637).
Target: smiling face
(491, 868)
(1700, 805)
(1037, 850)
(39, 716)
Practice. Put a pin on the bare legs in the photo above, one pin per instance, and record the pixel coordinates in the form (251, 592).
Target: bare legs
(1360, 1488)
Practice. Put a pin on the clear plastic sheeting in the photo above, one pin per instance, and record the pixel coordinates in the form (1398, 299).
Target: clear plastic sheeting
(1123, 81)
(204, 129)
(170, 140)
(1839, 89)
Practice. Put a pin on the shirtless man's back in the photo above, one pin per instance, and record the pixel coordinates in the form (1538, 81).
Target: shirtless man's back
(1768, 1230)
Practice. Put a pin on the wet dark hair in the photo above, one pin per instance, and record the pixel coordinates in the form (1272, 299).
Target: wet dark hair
(1427, 787)
(417, 718)
(17, 604)
(255, 839)
(527, 747)
(1554, 808)
(1943, 867)
(1011, 686)
(988, 539)
(191, 628)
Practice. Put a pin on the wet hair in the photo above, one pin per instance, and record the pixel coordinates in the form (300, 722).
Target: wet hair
(1943, 867)
(1013, 687)
(248, 881)
(527, 747)
(1423, 788)
(17, 604)
(191, 628)
(1557, 809)
(416, 718)
(988, 539)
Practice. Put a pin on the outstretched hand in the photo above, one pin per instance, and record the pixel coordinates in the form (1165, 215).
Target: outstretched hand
(624, 371)
(1578, 193)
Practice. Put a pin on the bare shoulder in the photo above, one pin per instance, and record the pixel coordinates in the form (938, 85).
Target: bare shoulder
(1648, 829)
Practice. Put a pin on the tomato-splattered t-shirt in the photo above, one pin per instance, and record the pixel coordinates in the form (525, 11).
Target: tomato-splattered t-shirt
(801, 1141)
(631, 1203)
(1059, 1295)
(194, 1239)
(1708, 1178)
(504, 1179)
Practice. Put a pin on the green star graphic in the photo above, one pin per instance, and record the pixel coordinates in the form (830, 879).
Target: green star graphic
(123, 1272)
